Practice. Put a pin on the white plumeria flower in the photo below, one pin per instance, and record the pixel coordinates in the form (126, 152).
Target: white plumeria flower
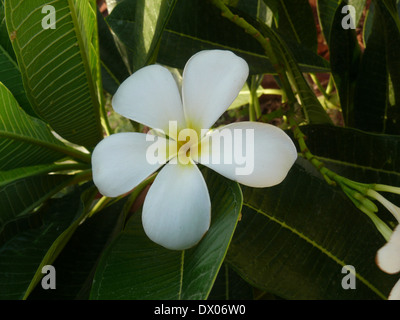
(177, 210)
(392, 208)
(388, 259)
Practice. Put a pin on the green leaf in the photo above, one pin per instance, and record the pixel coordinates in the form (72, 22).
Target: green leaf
(359, 5)
(296, 249)
(254, 8)
(150, 271)
(368, 23)
(345, 56)
(60, 242)
(391, 21)
(139, 25)
(295, 21)
(9, 70)
(4, 39)
(294, 239)
(313, 110)
(197, 25)
(21, 255)
(327, 10)
(374, 157)
(371, 99)
(114, 70)
(9, 176)
(24, 140)
(21, 196)
(76, 263)
(60, 67)
(230, 286)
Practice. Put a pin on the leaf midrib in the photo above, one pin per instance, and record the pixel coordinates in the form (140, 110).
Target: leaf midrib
(181, 276)
(315, 245)
(356, 166)
(85, 59)
(63, 149)
(290, 21)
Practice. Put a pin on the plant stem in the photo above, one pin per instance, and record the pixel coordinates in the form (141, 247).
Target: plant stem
(135, 194)
(67, 166)
(353, 190)
(330, 86)
(273, 115)
(78, 178)
(104, 119)
(101, 204)
(328, 175)
(83, 176)
(319, 85)
(132, 196)
(254, 101)
(274, 92)
(253, 97)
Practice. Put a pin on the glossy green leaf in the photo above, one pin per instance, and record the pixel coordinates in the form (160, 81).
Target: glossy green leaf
(21, 196)
(374, 157)
(391, 20)
(254, 8)
(197, 25)
(297, 249)
(359, 5)
(9, 176)
(327, 10)
(60, 67)
(230, 286)
(76, 263)
(113, 69)
(295, 21)
(21, 255)
(345, 56)
(61, 241)
(139, 25)
(313, 110)
(326, 13)
(133, 267)
(295, 238)
(24, 140)
(9, 70)
(371, 98)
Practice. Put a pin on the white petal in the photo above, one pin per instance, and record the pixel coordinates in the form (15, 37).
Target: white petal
(395, 293)
(177, 208)
(393, 209)
(150, 96)
(388, 257)
(120, 162)
(212, 79)
(260, 155)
